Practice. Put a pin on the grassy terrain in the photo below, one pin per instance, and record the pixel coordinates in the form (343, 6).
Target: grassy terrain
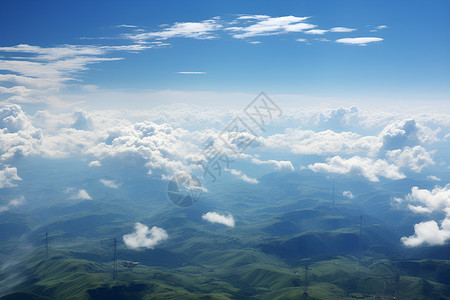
(283, 226)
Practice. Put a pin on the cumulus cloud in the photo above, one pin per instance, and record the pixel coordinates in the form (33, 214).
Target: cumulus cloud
(316, 31)
(415, 158)
(356, 165)
(348, 194)
(214, 217)
(8, 176)
(438, 199)
(109, 183)
(80, 195)
(143, 237)
(422, 201)
(12, 203)
(95, 163)
(362, 41)
(430, 233)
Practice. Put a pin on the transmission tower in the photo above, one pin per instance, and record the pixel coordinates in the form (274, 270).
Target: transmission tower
(360, 238)
(306, 280)
(46, 244)
(115, 260)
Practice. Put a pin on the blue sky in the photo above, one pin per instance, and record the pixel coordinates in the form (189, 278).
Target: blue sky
(410, 62)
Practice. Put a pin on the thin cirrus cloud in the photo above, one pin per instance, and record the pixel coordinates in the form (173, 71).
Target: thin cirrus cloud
(362, 41)
(191, 73)
(342, 29)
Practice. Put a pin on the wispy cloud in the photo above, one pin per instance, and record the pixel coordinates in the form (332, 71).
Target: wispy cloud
(109, 183)
(12, 204)
(316, 31)
(192, 73)
(362, 41)
(342, 29)
(243, 176)
(214, 217)
(348, 194)
(143, 237)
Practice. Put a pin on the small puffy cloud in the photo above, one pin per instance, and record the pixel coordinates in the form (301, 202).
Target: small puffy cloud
(382, 27)
(348, 194)
(143, 237)
(81, 195)
(243, 176)
(95, 163)
(214, 217)
(342, 29)
(7, 177)
(362, 41)
(12, 203)
(109, 183)
(429, 233)
(277, 164)
(356, 165)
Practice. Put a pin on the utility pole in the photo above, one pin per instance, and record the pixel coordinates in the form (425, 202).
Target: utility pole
(46, 244)
(115, 260)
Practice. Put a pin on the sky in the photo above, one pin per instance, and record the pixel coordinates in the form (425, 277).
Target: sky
(361, 88)
(347, 50)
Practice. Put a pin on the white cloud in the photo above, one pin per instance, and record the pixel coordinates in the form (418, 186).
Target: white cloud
(266, 25)
(7, 177)
(194, 73)
(126, 26)
(362, 41)
(278, 165)
(81, 195)
(95, 163)
(438, 199)
(423, 201)
(342, 29)
(142, 237)
(356, 165)
(243, 176)
(382, 27)
(12, 203)
(429, 233)
(197, 30)
(109, 183)
(415, 158)
(316, 31)
(432, 177)
(214, 217)
(255, 42)
(348, 194)
(302, 40)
